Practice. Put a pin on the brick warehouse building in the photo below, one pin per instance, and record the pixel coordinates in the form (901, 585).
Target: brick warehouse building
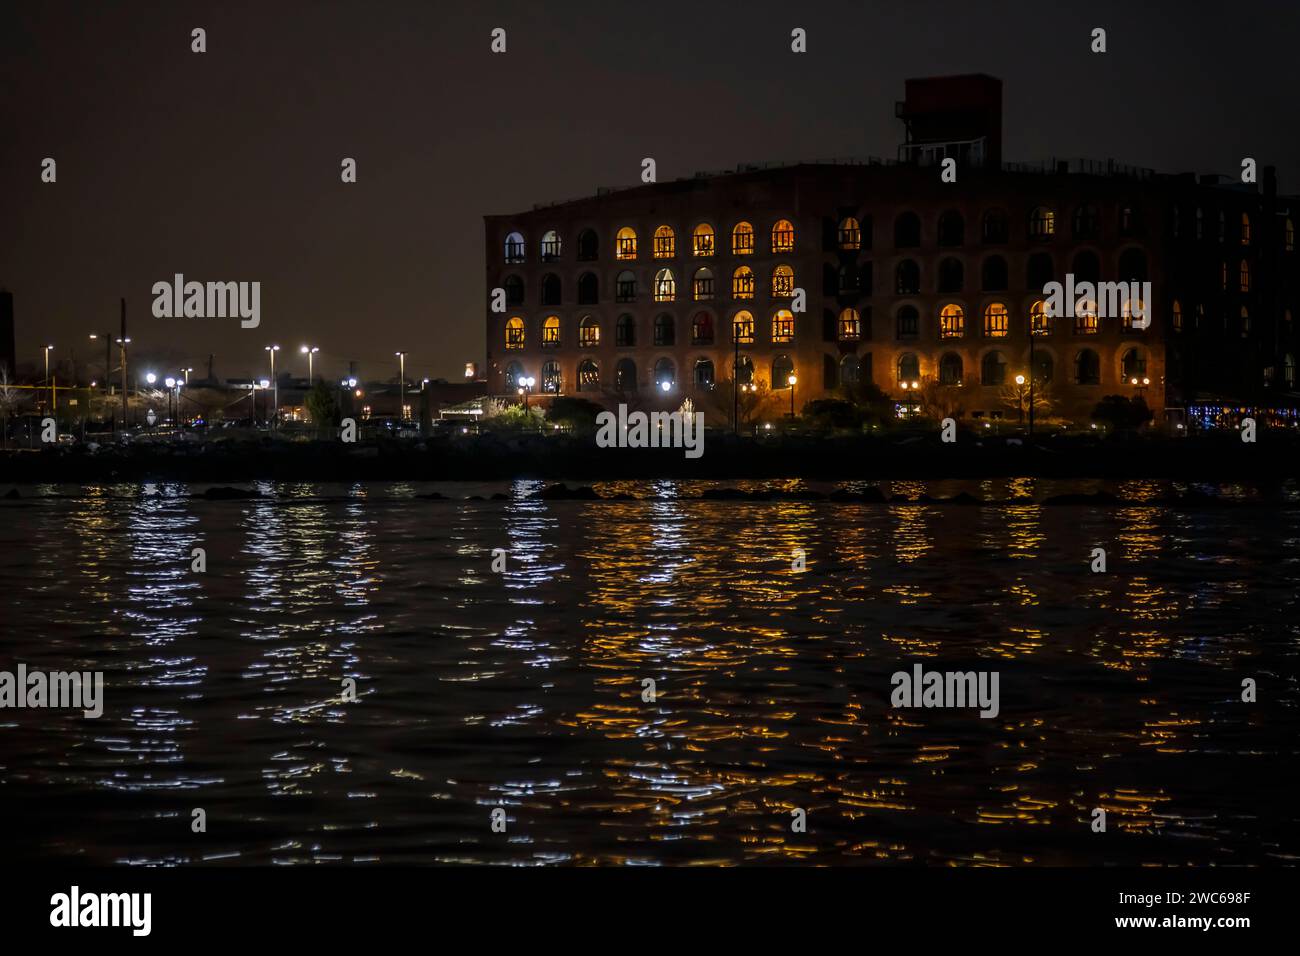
(909, 280)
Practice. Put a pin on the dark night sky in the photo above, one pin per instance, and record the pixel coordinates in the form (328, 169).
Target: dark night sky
(226, 165)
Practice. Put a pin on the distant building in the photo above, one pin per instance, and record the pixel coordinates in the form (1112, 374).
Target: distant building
(908, 279)
(8, 350)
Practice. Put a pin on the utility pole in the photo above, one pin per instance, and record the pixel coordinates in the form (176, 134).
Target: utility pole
(122, 341)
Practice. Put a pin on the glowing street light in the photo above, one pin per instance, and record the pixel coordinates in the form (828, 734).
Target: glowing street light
(150, 377)
(401, 374)
(791, 382)
(272, 349)
(309, 351)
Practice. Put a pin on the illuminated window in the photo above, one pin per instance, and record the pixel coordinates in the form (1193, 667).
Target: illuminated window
(702, 240)
(996, 320)
(950, 369)
(551, 377)
(850, 234)
(1039, 320)
(1085, 317)
(1288, 232)
(665, 330)
(1133, 308)
(742, 239)
(1133, 365)
(1245, 229)
(625, 243)
(515, 333)
(514, 372)
(588, 332)
(550, 246)
(625, 332)
(909, 369)
(994, 226)
(625, 375)
(702, 329)
(1042, 223)
(665, 243)
(742, 283)
(782, 282)
(993, 370)
(850, 325)
(783, 236)
(588, 246)
(514, 287)
(665, 286)
(908, 322)
(907, 278)
(1244, 272)
(588, 376)
(1086, 222)
(742, 328)
(952, 322)
(703, 373)
(702, 284)
(625, 287)
(1245, 321)
(783, 326)
(1177, 313)
(551, 332)
(952, 229)
(514, 247)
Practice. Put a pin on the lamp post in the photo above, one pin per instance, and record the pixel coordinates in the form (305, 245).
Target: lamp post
(310, 351)
(171, 389)
(1031, 373)
(792, 379)
(108, 357)
(275, 382)
(46, 349)
(1020, 394)
(122, 343)
(401, 374)
(187, 374)
(526, 386)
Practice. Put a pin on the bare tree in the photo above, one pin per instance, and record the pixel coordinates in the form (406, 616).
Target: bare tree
(8, 403)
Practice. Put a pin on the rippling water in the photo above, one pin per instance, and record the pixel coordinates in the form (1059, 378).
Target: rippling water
(224, 690)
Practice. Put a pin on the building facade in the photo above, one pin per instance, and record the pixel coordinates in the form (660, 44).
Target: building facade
(886, 272)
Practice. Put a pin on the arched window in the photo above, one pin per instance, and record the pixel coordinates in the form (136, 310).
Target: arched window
(515, 333)
(625, 243)
(551, 332)
(665, 286)
(1085, 317)
(665, 243)
(1134, 366)
(909, 370)
(1087, 368)
(997, 322)
(952, 228)
(783, 236)
(665, 329)
(1245, 321)
(1133, 266)
(1132, 310)
(850, 370)
(782, 326)
(742, 328)
(907, 231)
(625, 332)
(703, 373)
(625, 287)
(702, 329)
(588, 332)
(514, 372)
(1087, 267)
(994, 226)
(1086, 222)
(702, 240)
(848, 279)
(588, 246)
(850, 234)
(702, 284)
(782, 282)
(550, 246)
(850, 325)
(951, 276)
(514, 247)
(952, 321)
(1039, 318)
(551, 377)
(588, 289)
(993, 369)
(742, 239)
(665, 374)
(514, 286)
(1176, 312)
(625, 375)
(1039, 270)
(588, 376)
(950, 369)
(907, 322)
(1245, 275)
(782, 369)
(907, 278)
(1042, 223)
(1245, 229)
(1043, 367)
(742, 283)
(551, 289)
(993, 274)
(744, 370)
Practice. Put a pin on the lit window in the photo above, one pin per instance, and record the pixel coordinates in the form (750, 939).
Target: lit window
(782, 282)
(996, 320)
(1132, 309)
(783, 326)
(1288, 232)
(515, 333)
(1042, 223)
(850, 325)
(665, 289)
(1177, 313)
(625, 243)
(551, 377)
(702, 240)
(665, 243)
(514, 247)
(952, 322)
(702, 284)
(1085, 317)
(783, 236)
(588, 332)
(550, 246)
(742, 328)
(588, 376)
(1245, 321)
(1245, 229)
(551, 332)
(850, 233)
(742, 283)
(742, 239)
(1245, 276)
(1039, 319)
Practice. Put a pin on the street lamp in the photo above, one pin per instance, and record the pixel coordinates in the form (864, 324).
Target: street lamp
(187, 374)
(272, 349)
(1020, 396)
(310, 352)
(171, 388)
(526, 387)
(792, 380)
(47, 349)
(401, 374)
